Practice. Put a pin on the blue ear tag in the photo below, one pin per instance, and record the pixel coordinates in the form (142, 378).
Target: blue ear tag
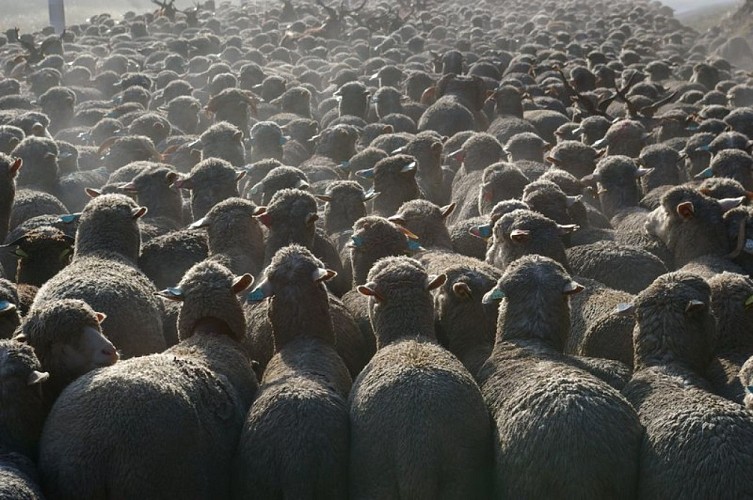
(413, 245)
(705, 147)
(498, 294)
(257, 295)
(366, 174)
(175, 291)
(357, 241)
(750, 389)
(485, 231)
(283, 140)
(69, 218)
(5, 306)
(345, 165)
(706, 173)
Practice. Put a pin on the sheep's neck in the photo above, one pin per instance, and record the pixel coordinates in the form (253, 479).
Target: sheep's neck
(397, 322)
(302, 316)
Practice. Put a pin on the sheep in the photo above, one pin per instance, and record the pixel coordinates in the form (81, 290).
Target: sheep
(223, 141)
(458, 105)
(10, 137)
(9, 167)
(730, 297)
(574, 157)
(154, 190)
(508, 119)
(18, 477)
(733, 164)
(232, 105)
(620, 267)
(210, 181)
(674, 341)
(165, 259)
(103, 273)
(690, 224)
(294, 440)
(344, 205)
(458, 299)
(568, 406)
(23, 411)
(120, 151)
(235, 236)
(409, 361)
(290, 218)
(278, 178)
(395, 181)
(67, 338)
(427, 151)
(198, 392)
(42, 252)
(29, 203)
(478, 152)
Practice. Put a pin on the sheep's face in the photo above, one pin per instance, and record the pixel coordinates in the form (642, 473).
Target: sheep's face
(88, 350)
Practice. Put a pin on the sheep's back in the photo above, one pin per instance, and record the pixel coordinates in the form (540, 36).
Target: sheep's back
(541, 402)
(118, 429)
(691, 435)
(110, 285)
(416, 404)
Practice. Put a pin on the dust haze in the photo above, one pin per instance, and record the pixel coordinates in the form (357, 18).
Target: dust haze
(31, 15)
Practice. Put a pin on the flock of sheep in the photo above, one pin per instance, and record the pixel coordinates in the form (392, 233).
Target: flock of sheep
(412, 249)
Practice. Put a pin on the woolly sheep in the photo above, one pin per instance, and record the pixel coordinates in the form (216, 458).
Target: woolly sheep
(67, 338)
(674, 341)
(198, 393)
(583, 415)
(295, 438)
(103, 273)
(455, 464)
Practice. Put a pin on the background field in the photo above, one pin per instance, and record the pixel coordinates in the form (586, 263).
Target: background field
(32, 14)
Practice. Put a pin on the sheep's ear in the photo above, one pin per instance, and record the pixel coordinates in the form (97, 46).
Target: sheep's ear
(203, 222)
(686, 210)
(312, 217)
(448, 209)
(262, 291)
(567, 228)
(572, 288)
(171, 177)
(321, 274)
(93, 193)
(172, 293)
(21, 337)
(36, 377)
(433, 282)
(241, 283)
(139, 212)
(572, 200)
(101, 317)
(695, 306)
(240, 175)
(184, 183)
(396, 219)
(520, 235)
(728, 204)
(462, 290)
(15, 166)
(623, 309)
(370, 194)
(323, 197)
(369, 290)
(643, 171)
